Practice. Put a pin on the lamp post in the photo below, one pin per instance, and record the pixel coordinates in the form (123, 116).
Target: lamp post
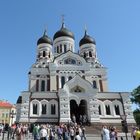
(124, 125)
(12, 114)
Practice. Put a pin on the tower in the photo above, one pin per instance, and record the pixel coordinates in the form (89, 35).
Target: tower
(88, 48)
(63, 40)
(44, 50)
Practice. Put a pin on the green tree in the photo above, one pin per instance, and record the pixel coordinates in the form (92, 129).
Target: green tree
(136, 100)
(136, 96)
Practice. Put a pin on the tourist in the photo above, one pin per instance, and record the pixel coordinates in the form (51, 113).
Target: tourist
(112, 134)
(36, 132)
(133, 133)
(137, 133)
(43, 133)
(77, 137)
(18, 132)
(72, 133)
(105, 133)
(59, 132)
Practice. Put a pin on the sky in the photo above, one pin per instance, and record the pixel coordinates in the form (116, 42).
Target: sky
(115, 25)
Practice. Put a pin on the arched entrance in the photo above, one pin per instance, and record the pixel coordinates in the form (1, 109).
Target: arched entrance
(78, 111)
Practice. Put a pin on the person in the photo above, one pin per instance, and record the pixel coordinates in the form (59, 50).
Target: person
(105, 133)
(112, 134)
(133, 133)
(18, 132)
(43, 133)
(77, 137)
(36, 132)
(137, 133)
(83, 133)
(72, 133)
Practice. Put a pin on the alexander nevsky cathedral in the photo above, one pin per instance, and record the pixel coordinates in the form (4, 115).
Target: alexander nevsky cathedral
(64, 83)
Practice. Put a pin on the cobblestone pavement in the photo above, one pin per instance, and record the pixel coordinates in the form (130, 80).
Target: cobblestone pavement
(89, 137)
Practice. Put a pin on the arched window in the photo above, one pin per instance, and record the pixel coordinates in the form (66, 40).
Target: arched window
(53, 109)
(117, 110)
(90, 54)
(70, 77)
(48, 82)
(57, 49)
(44, 53)
(43, 85)
(60, 48)
(37, 85)
(70, 61)
(44, 109)
(84, 55)
(62, 81)
(99, 110)
(65, 47)
(107, 107)
(94, 84)
(35, 109)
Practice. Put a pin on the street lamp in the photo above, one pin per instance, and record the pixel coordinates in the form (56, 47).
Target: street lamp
(12, 114)
(124, 125)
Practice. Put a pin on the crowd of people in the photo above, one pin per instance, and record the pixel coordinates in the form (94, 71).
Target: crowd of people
(45, 131)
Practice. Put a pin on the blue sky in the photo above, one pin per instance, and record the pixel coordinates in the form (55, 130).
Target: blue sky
(115, 25)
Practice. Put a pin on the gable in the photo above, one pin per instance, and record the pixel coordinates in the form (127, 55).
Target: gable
(69, 58)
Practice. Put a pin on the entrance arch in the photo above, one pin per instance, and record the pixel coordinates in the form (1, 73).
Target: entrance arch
(77, 111)
(83, 107)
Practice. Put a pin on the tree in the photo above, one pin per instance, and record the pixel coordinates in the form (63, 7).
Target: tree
(135, 98)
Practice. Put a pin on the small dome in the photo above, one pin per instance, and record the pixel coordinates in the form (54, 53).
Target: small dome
(87, 39)
(63, 32)
(19, 100)
(44, 39)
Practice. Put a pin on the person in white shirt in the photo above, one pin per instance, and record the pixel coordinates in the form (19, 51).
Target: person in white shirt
(43, 133)
(77, 137)
(105, 133)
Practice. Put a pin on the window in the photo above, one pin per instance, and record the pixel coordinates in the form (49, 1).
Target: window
(107, 107)
(70, 77)
(62, 81)
(90, 54)
(37, 85)
(44, 109)
(84, 55)
(34, 109)
(69, 61)
(60, 48)
(99, 110)
(43, 85)
(44, 53)
(53, 109)
(117, 110)
(94, 84)
(48, 82)
(57, 49)
(65, 48)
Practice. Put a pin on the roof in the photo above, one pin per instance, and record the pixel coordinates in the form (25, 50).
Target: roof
(63, 32)
(5, 104)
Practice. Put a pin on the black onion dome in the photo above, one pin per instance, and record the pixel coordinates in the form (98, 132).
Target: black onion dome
(44, 39)
(19, 100)
(63, 32)
(87, 39)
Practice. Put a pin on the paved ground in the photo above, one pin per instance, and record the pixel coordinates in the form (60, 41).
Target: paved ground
(89, 137)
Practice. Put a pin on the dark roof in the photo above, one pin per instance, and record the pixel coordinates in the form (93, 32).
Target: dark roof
(87, 39)
(63, 32)
(44, 39)
(19, 100)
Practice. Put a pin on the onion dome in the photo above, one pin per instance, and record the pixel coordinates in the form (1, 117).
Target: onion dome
(44, 39)
(87, 39)
(19, 100)
(63, 32)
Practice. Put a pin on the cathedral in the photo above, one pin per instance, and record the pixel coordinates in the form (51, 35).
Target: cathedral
(64, 83)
